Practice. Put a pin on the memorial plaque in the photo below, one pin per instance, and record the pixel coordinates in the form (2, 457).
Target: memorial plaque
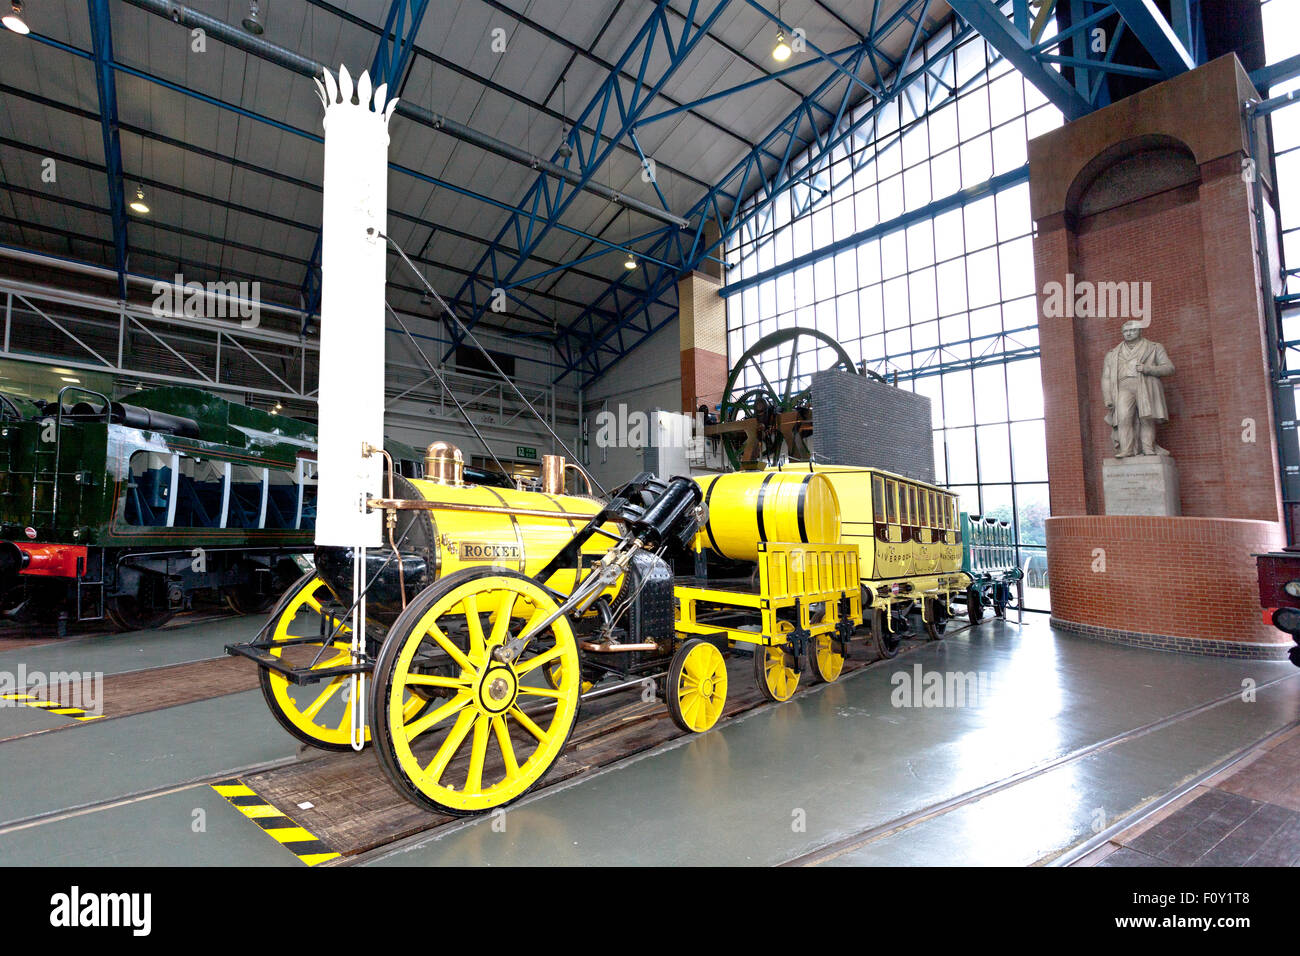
(1141, 485)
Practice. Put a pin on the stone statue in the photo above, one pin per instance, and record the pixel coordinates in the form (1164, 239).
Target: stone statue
(1134, 396)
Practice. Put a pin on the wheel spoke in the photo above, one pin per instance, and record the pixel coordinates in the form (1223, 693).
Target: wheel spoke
(438, 680)
(478, 751)
(507, 748)
(530, 665)
(331, 689)
(477, 642)
(449, 746)
(457, 703)
(501, 623)
(527, 723)
(540, 691)
(448, 645)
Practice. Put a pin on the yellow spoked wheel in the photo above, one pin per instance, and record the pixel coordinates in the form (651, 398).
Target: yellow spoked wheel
(317, 714)
(697, 686)
(500, 726)
(774, 671)
(824, 661)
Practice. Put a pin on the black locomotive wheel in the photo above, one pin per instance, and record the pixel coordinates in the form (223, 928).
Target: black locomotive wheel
(1000, 609)
(974, 605)
(936, 613)
(885, 641)
(247, 598)
(129, 613)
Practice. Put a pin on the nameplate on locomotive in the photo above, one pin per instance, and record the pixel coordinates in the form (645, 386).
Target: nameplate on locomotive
(489, 551)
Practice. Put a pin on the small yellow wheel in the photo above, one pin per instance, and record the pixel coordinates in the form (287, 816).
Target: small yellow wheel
(697, 686)
(317, 714)
(500, 727)
(774, 671)
(824, 660)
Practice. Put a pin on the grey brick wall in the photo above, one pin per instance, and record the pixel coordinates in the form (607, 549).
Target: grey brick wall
(859, 421)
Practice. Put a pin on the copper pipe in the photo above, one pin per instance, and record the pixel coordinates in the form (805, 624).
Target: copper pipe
(610, 648)
(582, 473)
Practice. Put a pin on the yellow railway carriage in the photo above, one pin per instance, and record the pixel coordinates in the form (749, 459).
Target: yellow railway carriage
(908, 534)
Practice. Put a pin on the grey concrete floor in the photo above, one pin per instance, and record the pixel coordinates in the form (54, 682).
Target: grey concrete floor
(821, 775)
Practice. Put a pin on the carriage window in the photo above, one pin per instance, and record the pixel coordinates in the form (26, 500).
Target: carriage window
(952, 517)
(891, 502)
(148, 490)
(199, 491)
(932, 499)
(307, 498)
(878, 497)
(911, 505)
(245, 508)
(281, 499)
(923, 504)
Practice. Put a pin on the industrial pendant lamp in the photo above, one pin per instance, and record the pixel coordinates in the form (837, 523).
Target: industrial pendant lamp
(630, 262)
(138, 204)
(781, 52)
(565, 150)
(253, 22)
(13, 20)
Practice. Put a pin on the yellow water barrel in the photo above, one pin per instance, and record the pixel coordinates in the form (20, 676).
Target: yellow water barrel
(749, 507)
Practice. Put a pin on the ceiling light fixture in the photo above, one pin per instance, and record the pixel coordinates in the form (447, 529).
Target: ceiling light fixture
(629, 262)
(781, 52)
(253, 22)
(13, 20)
(139, 205)
(565, 150)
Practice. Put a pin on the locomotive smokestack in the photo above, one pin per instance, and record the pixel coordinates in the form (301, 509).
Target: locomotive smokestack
(353, 260)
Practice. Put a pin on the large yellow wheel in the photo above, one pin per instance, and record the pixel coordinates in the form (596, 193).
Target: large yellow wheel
(317, 714)
(774, 671)
(697, 686)
(824, 661)
(500, 727)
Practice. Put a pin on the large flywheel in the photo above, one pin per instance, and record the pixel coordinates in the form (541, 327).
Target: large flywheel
(766, 412)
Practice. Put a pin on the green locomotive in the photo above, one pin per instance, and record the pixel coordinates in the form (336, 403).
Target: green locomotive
(118, 510)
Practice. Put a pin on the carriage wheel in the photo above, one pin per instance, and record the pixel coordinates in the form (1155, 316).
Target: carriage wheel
(937, 613)
(825, 662)
(974, 605)
(501, 728)
(885, 641)
(318, 714)
(774, 671)
(697, 686)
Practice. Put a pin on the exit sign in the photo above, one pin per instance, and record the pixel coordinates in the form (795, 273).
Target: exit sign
(523, 451)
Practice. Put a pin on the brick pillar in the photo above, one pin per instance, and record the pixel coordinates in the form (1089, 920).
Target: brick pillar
(703, 331)
(1150, 191)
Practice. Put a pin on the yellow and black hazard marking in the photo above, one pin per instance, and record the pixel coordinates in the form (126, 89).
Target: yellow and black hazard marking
(51, 706)
(283, 830)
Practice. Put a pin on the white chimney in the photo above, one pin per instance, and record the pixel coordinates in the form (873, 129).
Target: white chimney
(353, 268)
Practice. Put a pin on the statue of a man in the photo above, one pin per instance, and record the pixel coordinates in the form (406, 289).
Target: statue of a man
(1135, 399)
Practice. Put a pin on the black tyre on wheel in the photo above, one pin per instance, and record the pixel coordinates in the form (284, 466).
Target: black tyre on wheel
(144, 610)
(936, 613)
(885, 641)
(974, 605)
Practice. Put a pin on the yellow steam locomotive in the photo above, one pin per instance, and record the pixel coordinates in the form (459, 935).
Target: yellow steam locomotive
(493, 612)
